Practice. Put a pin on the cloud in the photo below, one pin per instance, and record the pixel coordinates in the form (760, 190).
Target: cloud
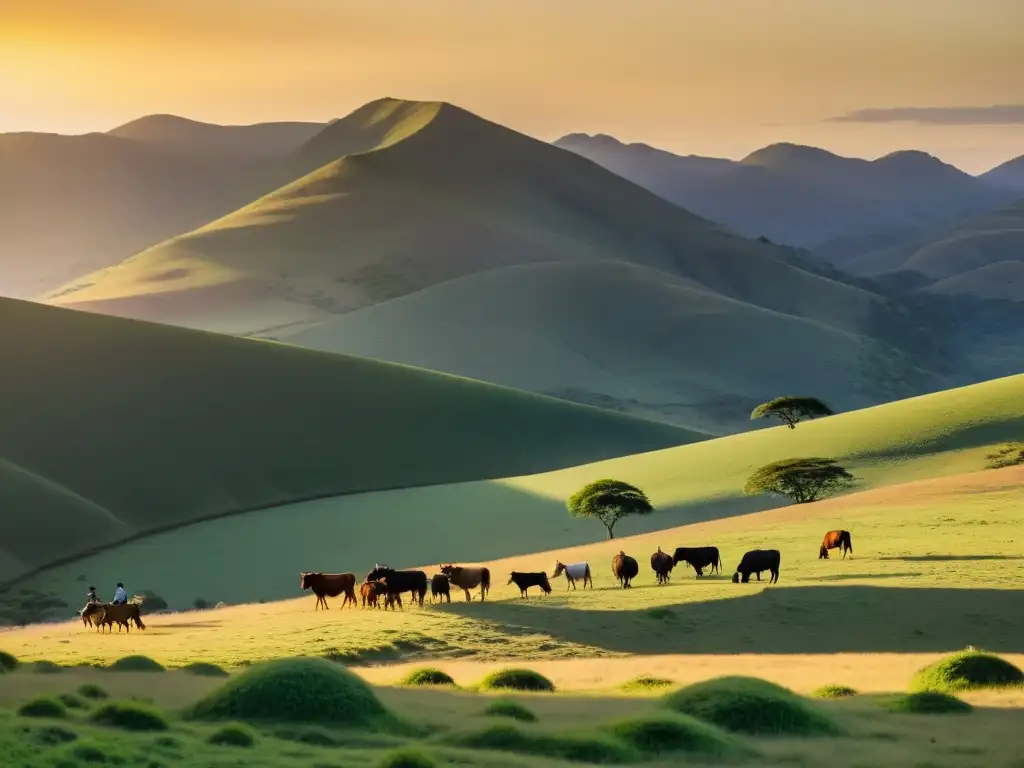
(997, 114)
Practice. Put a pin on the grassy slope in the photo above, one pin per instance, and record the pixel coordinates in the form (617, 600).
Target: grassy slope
(935, 435)
(111, 427)
(620, 336)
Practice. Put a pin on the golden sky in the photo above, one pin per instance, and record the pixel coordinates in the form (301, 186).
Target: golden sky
(715, 77)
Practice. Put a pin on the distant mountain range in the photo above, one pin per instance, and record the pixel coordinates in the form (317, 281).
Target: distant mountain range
(1010, 174)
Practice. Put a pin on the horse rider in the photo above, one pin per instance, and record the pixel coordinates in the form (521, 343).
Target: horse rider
(120, 596)
(92, 597)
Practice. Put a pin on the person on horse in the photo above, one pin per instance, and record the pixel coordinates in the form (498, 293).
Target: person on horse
(92, 597)
(120, 596)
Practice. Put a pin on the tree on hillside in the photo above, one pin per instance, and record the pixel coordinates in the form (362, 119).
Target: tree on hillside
(609, 501)
(802, 480)
(791, 410)
(1008, 455)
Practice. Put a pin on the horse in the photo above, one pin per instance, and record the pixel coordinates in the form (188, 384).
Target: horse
(573, 572)
(835, 540)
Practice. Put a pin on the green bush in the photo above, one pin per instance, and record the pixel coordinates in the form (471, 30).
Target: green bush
(233, 735)
(71, 701)
(51, 735)
(130, 716)
(428, 676)
(834, 692)
(927, 703)
(44, 667)
(646, 683)
(406, 758)
(92, 691)
(88, 752)
(300, 690)
(660, 733)
(136, 664)
(510, 709)
(44, 706)
(506, 737)
(200, 604)
(517, 680)
(750, 705)
(204, 669)
(8, 663)
(151, 602)
(967, 671)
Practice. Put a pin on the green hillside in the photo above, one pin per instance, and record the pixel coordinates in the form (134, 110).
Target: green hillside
(936, 435)
(112, 427)
(625, 337)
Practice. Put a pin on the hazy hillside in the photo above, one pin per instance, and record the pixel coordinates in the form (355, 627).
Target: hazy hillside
(110, 427)
(1010, 174)
(625, 337)
(805, 196)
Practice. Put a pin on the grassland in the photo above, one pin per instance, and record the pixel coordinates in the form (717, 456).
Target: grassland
(116, 427)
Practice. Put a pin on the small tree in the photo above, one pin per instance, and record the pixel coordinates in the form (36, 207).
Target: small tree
(609, 501)
(1008, 455)
(792, 410)
(802, 480)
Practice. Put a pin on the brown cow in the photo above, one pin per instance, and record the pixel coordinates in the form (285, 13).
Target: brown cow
(625, 569)
(835, 540)
(371, 592)
(326, 585)
(467, 579)
(661, 564)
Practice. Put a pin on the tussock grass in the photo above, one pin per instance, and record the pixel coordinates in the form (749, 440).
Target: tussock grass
(428, 676)
(517, 680)
(93, 691)
(45, 667)
(834, 692)
(967, 670)
(129, 716)
(91, 752)
(406, 758)
(44, 706)
(661, 733)
(646, 683)
(71, 701)
(506, 737)
(136, 663)
(233, 735)
(927, 703)
(51, 735)
(753, 706)
(510, 709)
(205, 669)
(8, 662)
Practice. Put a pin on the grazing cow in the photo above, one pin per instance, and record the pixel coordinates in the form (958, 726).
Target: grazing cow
(121, 615)
(468, 578)
(698, 558)
(662, 564)
(401, 581)
(572, 573)
(756, 561)
(835, 540)
(625, 569)
(440, 588)
(326, 585)
(390, 596)
(371, 592)
(526, 580)
(90, 613)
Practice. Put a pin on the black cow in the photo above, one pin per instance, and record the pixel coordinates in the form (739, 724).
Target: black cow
(756, 561)
(698, 558)
(401, 581)
(526, 580)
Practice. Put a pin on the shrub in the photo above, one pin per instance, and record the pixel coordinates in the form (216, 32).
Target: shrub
(52, 735)
(293, 690)
(136, 664)
(834, 692)
(927, 703)
(200, 605)
(428, 676)
(517, 680)
(71, 701)
(44, 706)
(966, 671)
(656, 734)
(8, 663)
(646, 683)
(44, 667)
(204, 669)
(512, 709)
(505, 737)
(233, 735)
(130, 716)
(151, 602)
(750, 705)
(92, 691)
(88, 752)
(405, 758)
(1007, 455)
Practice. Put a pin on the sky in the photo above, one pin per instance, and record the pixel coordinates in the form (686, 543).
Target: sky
(710, 77)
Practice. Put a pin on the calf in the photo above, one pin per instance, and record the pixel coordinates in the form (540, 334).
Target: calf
(441, 588)
(371, 592)
(699, 558)
(835, 540)
(526, 580)
(756, 561)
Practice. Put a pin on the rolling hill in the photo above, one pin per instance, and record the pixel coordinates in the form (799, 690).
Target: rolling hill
(113, 427)
(1010, 175)
(803, 196)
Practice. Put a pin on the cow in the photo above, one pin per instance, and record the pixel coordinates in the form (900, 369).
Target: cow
(573, 572)
(662, 564)
(835, 540)
(390, 596)
(326, 585)
(440, 588)
(756, 561)
(371, 592)
(625, 569)
(468, 578)
(698, 558)
(526, 580)
(121, 615)
(401, 581)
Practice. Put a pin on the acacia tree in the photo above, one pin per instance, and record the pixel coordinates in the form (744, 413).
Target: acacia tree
(802, 480)
(791, 410)
(609, 501)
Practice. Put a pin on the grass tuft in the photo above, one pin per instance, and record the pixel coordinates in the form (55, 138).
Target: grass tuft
(129, 716)
(506, 737)
(205, 669)
(406, 758)
(88, 752)
(646, 683)
(136, 664)
(51, 735)
(967, 671)
(428, 676)
(233, 735)
(660, 733)
(44, 706)
(510, 709)
(8, 663)
(927, 703)
(71, 701)
(45, 667)
(517, 680)
(750, 705)
(92, 691)
(834, 692)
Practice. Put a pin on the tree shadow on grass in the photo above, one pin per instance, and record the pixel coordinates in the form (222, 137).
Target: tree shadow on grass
(819, 619)
(951, 558)
(855, 576)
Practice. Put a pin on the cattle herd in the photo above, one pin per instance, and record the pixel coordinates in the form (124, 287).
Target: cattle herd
(387, 585)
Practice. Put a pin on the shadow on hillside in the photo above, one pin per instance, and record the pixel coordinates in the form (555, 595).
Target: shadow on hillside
(856, 576)
(830, 619)
(940, 558)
